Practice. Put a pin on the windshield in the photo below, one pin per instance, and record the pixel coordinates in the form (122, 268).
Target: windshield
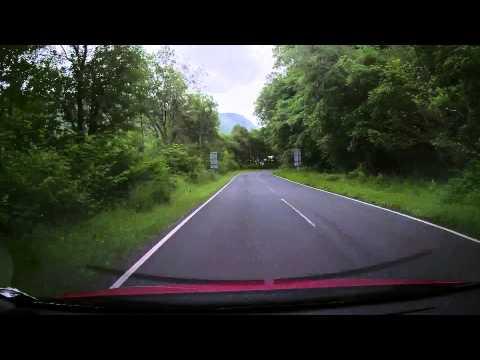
(131, 165)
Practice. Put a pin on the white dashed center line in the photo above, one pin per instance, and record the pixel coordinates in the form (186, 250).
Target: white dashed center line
(298, 212)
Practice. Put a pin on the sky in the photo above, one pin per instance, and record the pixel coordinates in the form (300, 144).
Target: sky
(232, 74)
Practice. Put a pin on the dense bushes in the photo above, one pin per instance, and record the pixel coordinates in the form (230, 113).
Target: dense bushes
(180, 161)
(247, 148)
(75, 180)
(79, 178)
(39, 185)
(104, 165)
(151, 184)
(147, 194)
(466, 187)
(82, 177)
(227, 162)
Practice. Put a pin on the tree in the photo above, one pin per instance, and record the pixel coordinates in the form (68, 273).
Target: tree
(248, 147)
(200, 120)
(102, 86)
(454, 86)
(166, 97)
(73, 120)
(401, 109)
(29, 92)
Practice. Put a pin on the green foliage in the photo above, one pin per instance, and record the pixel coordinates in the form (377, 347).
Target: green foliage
(84, 127)
(38, 186)
(358, 173)
(203, 175)
(200, 121)
(249, 148)
(172, 113)
(151, 184)
(466, 187)
(104, 165)
(180, 161)
(227, 162)
(147, 194)
(405, 110)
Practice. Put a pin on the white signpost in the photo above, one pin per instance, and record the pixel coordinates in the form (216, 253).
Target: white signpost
(213, 160)
(297, 158)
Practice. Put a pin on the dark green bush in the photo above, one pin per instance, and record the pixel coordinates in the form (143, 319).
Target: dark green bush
(150, 183)
(38, 186)
(286, 159)
(180, 161)
(83, 175)
(359, 173)
(103, 166)
(203, 175)
(380, 179)
(46, 185)
(146, 195)
(227, 162)
(466, 187)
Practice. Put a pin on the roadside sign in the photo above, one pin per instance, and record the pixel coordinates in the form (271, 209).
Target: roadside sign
(297, 158)
(213, 160)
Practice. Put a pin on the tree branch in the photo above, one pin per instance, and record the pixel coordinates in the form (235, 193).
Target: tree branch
(65, 52)
(84, 59)
(75, 47)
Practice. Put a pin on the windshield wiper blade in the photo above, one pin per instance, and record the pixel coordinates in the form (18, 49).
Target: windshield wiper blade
(340, 274)
(171, 280)
(365, 269)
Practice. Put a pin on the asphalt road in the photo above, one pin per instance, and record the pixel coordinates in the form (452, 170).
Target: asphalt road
(264, 227)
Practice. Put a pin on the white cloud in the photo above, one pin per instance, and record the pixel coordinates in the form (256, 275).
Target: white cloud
(234, 74)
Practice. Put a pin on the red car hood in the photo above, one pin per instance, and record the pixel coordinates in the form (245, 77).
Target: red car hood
(244, 286)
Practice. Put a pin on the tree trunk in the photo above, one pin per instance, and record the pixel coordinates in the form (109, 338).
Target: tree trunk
(95, 110)
(80, 91)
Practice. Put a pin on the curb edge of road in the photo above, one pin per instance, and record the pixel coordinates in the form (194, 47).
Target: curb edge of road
(385, 209)
(126, 275)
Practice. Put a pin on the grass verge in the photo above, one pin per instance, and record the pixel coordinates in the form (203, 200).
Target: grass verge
(54, 260)
(423, 199)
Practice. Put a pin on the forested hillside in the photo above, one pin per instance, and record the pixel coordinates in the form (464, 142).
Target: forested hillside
(229, 120)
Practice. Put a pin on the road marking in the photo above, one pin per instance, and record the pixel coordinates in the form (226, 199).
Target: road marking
(145, 257)
(298, 212)
(392, 211)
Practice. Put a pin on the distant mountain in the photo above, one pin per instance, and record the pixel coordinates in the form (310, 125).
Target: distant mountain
(229, 120)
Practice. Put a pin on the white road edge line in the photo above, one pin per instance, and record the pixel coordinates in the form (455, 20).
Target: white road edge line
(149, 253)
(392, 211)
(298, 212)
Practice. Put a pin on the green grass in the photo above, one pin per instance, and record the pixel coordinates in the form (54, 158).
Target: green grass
(54, 260)
(423, 199)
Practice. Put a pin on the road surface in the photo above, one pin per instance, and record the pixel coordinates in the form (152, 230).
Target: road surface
(264, 227)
